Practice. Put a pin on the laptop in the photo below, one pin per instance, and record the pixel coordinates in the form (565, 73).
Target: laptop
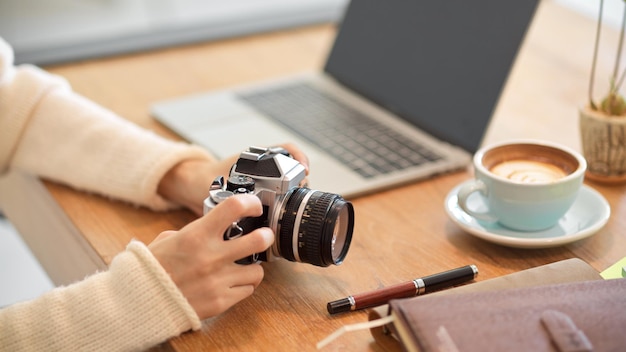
(406, 93)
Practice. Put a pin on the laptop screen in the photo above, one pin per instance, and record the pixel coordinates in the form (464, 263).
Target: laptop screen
(441, 65)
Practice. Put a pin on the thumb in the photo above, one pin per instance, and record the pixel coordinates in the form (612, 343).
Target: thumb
(231, 210)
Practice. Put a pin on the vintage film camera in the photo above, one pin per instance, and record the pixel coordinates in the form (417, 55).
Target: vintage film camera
(310, 226)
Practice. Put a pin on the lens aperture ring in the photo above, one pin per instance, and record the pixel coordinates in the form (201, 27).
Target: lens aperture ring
(299, 231)
(288, 223)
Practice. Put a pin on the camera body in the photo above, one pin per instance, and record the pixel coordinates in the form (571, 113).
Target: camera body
(310, 226)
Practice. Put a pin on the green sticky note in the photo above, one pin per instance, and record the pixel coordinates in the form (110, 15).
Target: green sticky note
(615, 271)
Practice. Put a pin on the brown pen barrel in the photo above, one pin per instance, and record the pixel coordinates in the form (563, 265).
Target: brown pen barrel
(374, 298)
(413, 288)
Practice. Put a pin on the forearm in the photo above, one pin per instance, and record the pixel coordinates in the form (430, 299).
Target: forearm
(72, 140)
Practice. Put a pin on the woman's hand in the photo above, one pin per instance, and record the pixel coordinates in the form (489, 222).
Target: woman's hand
(188, 182)
(202, 264)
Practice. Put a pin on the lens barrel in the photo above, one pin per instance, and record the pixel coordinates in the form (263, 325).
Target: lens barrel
(315, 227)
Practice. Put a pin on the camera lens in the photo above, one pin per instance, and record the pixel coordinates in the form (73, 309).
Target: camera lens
(315, 227)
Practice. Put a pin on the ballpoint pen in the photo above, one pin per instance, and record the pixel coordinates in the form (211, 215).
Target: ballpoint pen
(412, 288)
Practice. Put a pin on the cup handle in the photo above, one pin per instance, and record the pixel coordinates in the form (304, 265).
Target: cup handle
(463, 195)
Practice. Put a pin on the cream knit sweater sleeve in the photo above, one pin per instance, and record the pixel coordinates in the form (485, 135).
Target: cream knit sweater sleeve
(48, 130)
(132, 306)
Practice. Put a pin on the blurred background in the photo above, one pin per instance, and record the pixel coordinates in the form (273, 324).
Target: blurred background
(51, 31)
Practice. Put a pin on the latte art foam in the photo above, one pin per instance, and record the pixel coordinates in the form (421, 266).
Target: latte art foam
(528, 171)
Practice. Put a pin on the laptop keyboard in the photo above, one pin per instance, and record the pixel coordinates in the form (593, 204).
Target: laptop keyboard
(356, 140)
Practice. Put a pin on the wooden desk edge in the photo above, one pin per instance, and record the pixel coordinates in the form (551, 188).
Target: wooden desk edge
(61, 249)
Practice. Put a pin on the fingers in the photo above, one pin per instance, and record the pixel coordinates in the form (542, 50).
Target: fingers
(254, 242)
(229, 211)
(164, 235)
(214, 295)
(217, 221)
(206, 308)
(245, 275)
(297, 154)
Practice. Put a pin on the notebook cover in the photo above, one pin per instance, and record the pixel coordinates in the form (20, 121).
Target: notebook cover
(569, 270)
(515, 319)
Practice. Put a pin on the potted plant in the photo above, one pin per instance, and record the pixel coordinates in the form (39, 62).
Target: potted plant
(603, 124)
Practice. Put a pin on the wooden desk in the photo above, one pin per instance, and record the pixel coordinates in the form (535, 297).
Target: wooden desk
(400, 234)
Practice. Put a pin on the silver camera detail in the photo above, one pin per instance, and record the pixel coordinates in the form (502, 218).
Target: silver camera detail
(310, 226)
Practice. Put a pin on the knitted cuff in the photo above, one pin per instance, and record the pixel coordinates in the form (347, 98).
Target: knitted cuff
(188, 316)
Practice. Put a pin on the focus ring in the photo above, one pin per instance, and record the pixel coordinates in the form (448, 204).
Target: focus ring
(313, 230)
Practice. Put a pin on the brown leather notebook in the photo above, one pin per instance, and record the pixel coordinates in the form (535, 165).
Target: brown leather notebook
(570, 270)
(577, 316)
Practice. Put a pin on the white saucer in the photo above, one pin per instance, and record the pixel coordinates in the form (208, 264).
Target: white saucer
(588, 214)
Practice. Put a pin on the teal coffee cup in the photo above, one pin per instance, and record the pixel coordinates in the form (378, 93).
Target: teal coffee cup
(524, 185)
